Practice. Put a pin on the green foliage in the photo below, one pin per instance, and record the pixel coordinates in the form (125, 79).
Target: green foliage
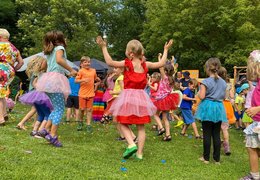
(201, 29)
(74, 18)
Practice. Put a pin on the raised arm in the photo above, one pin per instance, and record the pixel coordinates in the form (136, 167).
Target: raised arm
(156, 65)
(161, 69)
(62, 62)
(103, 45)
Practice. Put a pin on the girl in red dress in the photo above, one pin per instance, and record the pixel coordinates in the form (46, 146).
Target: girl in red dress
(133, 106)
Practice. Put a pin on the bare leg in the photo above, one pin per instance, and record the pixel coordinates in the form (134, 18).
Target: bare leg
(68, 115)
(166, 123)
(184, 129)
(89, 116)
(36, 125)
(253, 159)
(141, 139)
(127, 134)
(26, 117)
(158, 120)
(194, 126)
(118, 127)
(43, 124)
(77, 114)
(54, 129)
(2, 110)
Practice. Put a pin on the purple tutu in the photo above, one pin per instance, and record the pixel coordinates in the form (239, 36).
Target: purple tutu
(36, 97)
(9, 103)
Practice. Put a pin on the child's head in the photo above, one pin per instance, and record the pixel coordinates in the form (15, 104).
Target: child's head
(52, 39)
(253, 66)
(35, 65)
(222, 72)
(193, 84)
(85, 62)
(155, 77)
(118, 71)
(243, 89)
(134, 48)
(212, 67)
(177, 85)
(169, 71)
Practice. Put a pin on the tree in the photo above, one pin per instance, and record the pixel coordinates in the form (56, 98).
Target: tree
(227, 29)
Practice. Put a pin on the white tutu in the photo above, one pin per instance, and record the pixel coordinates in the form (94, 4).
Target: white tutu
(53, 82)
(133, 102)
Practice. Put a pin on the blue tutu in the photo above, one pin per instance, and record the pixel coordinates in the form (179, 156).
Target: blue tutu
(210, 110)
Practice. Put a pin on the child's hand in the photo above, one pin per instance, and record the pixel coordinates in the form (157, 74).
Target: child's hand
(73, 73)
(101, 42)
(253, 111)
(86, 80)
(168, 45)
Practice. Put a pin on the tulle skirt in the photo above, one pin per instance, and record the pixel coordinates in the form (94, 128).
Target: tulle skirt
(7, 74)
(133, 102)
(170, 102)
(107, 96)
(229, 112)
(9, 103)
(53, 82)
(210, 110)
(36, 97)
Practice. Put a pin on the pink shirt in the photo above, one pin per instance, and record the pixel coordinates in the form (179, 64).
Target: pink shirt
(256, 100)
(164, 88)
(249, 97)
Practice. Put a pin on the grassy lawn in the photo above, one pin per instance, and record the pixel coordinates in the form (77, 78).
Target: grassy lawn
(99, 155)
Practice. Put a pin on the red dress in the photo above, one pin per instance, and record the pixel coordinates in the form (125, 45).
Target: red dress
(133, 105)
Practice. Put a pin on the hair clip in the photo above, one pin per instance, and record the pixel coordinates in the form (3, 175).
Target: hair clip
(255, 55)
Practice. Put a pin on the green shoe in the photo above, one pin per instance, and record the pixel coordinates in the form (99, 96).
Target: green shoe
(80, 126)
(89, 129)
(138, 158)
(129, 152)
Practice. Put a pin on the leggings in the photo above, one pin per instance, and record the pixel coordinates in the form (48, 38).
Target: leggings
(58, 102)
(211, 130)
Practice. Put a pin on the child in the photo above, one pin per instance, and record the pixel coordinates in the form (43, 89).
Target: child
(98, 103)
(86, 77)
(229, 111)
(211, 110)
(73, 99)
(133, 106)
(176, 114)
(252, 138)
(165, 99)
(153, 83)
(39, 100)
(240, 104)
(247, 120)
(186, 105)
(54, 83)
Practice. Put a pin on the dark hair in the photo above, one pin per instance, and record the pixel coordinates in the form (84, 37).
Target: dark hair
(53, 39)
(169, 71)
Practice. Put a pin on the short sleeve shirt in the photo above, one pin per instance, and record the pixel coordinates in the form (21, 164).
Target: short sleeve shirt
(216, 88)
(239, 101)
(53, 66)
(74, 87)
(187, 104)
(86, 90)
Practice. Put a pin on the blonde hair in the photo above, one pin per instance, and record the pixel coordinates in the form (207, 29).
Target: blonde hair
(194, 82)
(4, 33)
(35, 66)
(253, 66)
(84, 58)
(212, 66)
(156, 76)
(135, 47)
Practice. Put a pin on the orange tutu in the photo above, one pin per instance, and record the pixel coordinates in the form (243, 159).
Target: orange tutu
(229, 111)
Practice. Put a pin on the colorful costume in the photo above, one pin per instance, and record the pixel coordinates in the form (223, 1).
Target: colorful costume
(8, 55)
(110, 85)
(133, 105)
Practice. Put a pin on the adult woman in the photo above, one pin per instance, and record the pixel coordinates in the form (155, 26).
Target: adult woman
(9, 54)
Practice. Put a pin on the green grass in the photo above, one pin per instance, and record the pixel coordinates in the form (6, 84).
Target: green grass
(99, 155)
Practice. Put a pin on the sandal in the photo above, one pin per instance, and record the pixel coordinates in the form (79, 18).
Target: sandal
(199, 137)
(104, 119)
(161, 131)
(184, 134)
(20, 127)
(167, 138)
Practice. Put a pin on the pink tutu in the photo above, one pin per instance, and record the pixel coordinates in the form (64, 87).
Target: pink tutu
(9, 103)
(133, 102)
(170, 102)
(53, 82)
(107, 96)
(36, 97)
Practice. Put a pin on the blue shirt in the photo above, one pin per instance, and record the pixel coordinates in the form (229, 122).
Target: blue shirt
(74, 87)
(53, 66)
(185, 104)
(215, 88)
